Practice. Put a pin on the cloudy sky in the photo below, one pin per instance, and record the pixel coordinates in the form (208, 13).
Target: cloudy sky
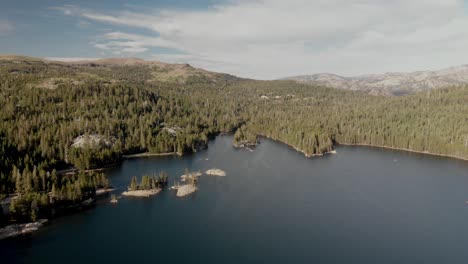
(263, 39)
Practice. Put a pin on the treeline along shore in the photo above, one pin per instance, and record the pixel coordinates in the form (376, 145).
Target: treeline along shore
(57, 115)
(404, 149)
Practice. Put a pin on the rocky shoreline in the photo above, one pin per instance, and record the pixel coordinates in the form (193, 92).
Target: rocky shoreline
(142, 193)
(148, 154)
(307, 155)
(21, 229)
(104, 191)
(244, 144)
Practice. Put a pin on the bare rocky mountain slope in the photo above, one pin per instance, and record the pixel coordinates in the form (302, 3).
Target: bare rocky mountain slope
(393, 83)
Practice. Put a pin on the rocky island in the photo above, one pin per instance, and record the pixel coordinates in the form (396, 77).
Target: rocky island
(190, 179)
(114, 199)
(186, 189)
(215, 172)
(149, 185)
(190, 176)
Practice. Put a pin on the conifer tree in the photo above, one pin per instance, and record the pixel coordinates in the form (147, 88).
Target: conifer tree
(133, 184)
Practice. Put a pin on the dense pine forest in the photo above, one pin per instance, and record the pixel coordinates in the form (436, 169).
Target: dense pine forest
(55, 116)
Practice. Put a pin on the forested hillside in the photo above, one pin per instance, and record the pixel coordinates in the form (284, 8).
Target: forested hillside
(57, 115)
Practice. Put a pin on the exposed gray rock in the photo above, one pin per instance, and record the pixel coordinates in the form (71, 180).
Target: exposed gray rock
(18, 229)
(393, 83)
(92, 141)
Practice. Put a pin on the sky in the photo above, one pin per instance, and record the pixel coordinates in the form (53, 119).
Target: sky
(263, 39)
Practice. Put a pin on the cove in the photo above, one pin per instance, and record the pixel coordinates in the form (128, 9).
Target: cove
(361, 205)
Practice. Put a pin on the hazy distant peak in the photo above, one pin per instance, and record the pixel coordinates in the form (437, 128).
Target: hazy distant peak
(12, 57)
(391, 83)
(115, 61)
(128, 61)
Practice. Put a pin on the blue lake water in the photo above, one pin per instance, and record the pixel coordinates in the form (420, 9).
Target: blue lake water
(361, 205)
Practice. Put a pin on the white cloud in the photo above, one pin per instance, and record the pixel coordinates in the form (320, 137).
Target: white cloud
(276, 38)
(6, 27)
(133, 41)
(134, 50)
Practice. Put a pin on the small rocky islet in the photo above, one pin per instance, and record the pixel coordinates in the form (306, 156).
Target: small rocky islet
(152, 185)
(190, 180)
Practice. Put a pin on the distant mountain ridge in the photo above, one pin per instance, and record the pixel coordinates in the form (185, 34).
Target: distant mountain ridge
(130, 61)
(160, 71)
(392, 83)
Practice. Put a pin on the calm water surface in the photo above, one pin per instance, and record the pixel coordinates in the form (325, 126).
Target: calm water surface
(362, 205)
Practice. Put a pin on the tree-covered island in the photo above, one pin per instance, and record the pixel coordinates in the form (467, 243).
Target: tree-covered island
(149, 185)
